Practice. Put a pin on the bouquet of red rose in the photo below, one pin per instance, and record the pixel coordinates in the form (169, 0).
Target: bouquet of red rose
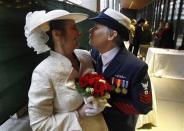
(93, 84)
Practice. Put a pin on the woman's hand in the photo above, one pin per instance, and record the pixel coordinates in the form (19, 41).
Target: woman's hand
(92, 106)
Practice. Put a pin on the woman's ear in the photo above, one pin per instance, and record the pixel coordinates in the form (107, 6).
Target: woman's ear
(113, 34)
(56, 33)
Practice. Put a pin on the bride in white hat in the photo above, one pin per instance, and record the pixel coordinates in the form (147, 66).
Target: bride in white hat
(54, 104)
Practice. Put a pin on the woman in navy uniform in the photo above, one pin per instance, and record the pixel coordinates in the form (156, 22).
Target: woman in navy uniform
(131, 93)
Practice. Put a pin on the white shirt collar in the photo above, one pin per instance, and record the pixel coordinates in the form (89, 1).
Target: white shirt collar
(108, 56)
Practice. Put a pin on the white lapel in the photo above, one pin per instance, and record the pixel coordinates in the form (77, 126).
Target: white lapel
(85, 60)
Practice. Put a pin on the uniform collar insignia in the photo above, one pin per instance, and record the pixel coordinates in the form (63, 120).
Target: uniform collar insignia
(145, 85)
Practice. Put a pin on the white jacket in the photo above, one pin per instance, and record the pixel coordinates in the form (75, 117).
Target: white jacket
(53, 99)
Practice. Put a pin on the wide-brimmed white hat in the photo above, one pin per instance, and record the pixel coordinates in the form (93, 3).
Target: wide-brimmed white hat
(42, 19)
(114, 20)
(37, 23)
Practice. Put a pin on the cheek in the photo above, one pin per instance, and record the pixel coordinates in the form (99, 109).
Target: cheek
(99, 36)
(72, 35)
(71, 38)
(97, 33)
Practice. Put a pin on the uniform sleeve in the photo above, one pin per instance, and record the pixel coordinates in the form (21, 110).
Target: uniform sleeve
(41, 107)
(141, 95)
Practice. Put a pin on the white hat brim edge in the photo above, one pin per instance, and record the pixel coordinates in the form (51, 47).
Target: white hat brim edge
(77, 17)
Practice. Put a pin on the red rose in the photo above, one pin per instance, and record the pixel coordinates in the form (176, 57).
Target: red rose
(91, 81)
(107, 87)
(99, 89)
(94, 75)
(83, 82)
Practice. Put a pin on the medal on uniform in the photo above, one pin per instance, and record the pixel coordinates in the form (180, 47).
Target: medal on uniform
(124, 91)
(123, 83)
(117, 90)
(118, 83)
(125, 86)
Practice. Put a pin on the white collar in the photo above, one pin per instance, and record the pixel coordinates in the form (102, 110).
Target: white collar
(109, 55)
(60, 56)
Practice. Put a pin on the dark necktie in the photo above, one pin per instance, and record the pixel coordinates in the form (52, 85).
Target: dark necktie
(99, 64)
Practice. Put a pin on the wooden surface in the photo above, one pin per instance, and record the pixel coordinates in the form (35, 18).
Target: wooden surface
(134, 4)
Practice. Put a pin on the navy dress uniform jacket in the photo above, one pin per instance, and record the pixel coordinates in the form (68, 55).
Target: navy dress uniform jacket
(131, 93)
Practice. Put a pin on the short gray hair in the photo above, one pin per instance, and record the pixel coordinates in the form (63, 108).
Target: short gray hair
(118, 39)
